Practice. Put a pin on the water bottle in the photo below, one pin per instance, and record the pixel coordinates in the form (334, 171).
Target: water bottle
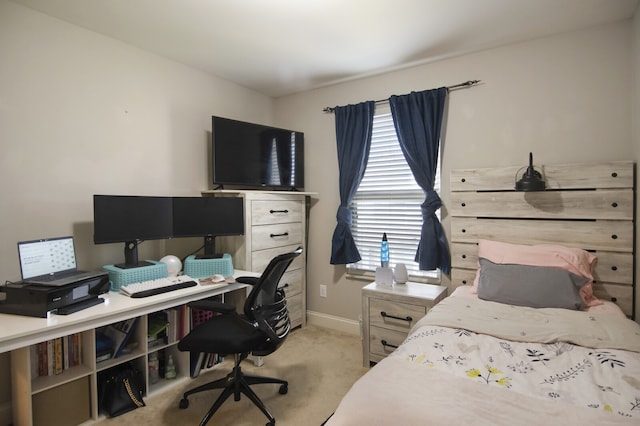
(384, 251)
(154, 368)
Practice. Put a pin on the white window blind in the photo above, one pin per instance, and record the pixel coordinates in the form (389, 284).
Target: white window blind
(275, 164)
(388, 200)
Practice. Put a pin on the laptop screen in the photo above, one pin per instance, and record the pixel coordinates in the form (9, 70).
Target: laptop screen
(46, 257)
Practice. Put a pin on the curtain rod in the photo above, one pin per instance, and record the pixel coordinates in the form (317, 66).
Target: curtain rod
(455, 86)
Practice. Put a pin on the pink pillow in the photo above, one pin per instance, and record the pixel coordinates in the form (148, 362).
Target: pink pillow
(577, 261)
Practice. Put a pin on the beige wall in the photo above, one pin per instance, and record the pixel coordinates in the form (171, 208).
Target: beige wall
(565, 98)
(83, 114)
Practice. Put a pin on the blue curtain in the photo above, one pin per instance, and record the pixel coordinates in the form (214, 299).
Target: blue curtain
(353, 135)
(418, 120)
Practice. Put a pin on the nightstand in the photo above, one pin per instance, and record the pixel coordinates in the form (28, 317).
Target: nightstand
(389, 313)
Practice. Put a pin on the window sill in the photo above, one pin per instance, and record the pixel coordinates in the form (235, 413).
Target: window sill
(369, 276)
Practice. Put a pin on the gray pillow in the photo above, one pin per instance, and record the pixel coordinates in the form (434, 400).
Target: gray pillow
(533, 286)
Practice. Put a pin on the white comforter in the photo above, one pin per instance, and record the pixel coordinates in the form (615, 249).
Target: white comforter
(477, 362)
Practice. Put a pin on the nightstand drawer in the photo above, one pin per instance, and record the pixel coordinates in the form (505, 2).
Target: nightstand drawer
(394, 315)
(270, 212)
(269, 236)
(383, 341)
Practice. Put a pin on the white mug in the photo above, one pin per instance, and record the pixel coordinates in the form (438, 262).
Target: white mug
(401, 275)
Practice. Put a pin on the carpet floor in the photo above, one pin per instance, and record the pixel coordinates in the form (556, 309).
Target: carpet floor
(320, 365)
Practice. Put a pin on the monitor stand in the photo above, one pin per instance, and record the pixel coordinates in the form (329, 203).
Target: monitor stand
(210, 249)
(131, 257)
(210, 256)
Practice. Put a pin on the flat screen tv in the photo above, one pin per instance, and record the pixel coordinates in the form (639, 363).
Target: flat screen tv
(253, 155)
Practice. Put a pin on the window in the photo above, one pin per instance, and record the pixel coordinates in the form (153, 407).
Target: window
(388, 200)
(274, 164)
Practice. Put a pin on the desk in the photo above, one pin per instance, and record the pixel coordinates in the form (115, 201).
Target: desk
(19, 333)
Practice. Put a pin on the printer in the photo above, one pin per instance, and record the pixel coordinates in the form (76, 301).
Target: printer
(36, 300)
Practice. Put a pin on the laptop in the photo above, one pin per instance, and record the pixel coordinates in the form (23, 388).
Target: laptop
(51, 262)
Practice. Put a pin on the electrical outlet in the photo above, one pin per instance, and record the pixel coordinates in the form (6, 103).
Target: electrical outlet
(323, 290)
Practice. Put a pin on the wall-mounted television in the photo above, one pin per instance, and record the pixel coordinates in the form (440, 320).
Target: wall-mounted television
(254, 155)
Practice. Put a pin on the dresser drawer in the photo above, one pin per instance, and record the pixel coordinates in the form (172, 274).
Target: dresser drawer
(394, 315)
(272, 211)
(269, 236)
(294, 306)
(260, 259)
(383, 341)
(291, 282)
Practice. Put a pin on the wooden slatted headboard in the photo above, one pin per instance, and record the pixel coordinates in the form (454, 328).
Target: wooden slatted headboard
(589, 206)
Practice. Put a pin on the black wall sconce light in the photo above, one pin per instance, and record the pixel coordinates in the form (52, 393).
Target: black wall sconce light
(531, 179)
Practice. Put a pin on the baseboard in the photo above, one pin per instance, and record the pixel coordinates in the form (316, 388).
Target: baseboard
(333, 322)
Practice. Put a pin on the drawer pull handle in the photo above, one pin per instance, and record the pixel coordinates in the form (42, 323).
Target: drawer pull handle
(386, 315)
(278, 211)
(387, 344)
(284, 234)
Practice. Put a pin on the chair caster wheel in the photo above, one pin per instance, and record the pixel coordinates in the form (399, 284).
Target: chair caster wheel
(184, 403)
(283, 389)
(273, 423)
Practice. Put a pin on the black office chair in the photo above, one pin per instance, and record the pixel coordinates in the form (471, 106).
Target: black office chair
(260, 331)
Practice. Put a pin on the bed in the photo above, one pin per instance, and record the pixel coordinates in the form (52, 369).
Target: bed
(537, 327)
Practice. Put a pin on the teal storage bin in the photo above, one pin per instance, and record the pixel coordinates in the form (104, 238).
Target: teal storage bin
(203, 268)
(119, 277)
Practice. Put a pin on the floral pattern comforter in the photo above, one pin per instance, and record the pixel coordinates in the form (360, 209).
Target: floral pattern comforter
(543, 359)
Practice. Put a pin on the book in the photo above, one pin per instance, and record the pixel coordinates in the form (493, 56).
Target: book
(120, 332)
(50, 358)
(76, 349)
(196, 361)
(185, 323)
(104, 346)
(42, 359)
(103, 357)
(158, 323)
(211, 359)
(57, 356)
(66, 352)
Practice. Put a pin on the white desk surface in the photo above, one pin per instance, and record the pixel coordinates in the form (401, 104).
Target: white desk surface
(18, 331)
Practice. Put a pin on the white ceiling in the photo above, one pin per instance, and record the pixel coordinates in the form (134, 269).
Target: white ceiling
(279, 47)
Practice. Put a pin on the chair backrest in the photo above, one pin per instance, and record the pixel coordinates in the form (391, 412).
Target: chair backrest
(266, 305)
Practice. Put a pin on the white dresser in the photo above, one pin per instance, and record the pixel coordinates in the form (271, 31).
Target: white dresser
(275, 223)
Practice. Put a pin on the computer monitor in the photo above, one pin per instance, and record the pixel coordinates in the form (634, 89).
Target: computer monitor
(131, 219)
(208, 217)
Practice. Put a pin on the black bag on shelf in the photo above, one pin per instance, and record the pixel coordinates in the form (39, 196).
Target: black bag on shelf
(121, 391)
